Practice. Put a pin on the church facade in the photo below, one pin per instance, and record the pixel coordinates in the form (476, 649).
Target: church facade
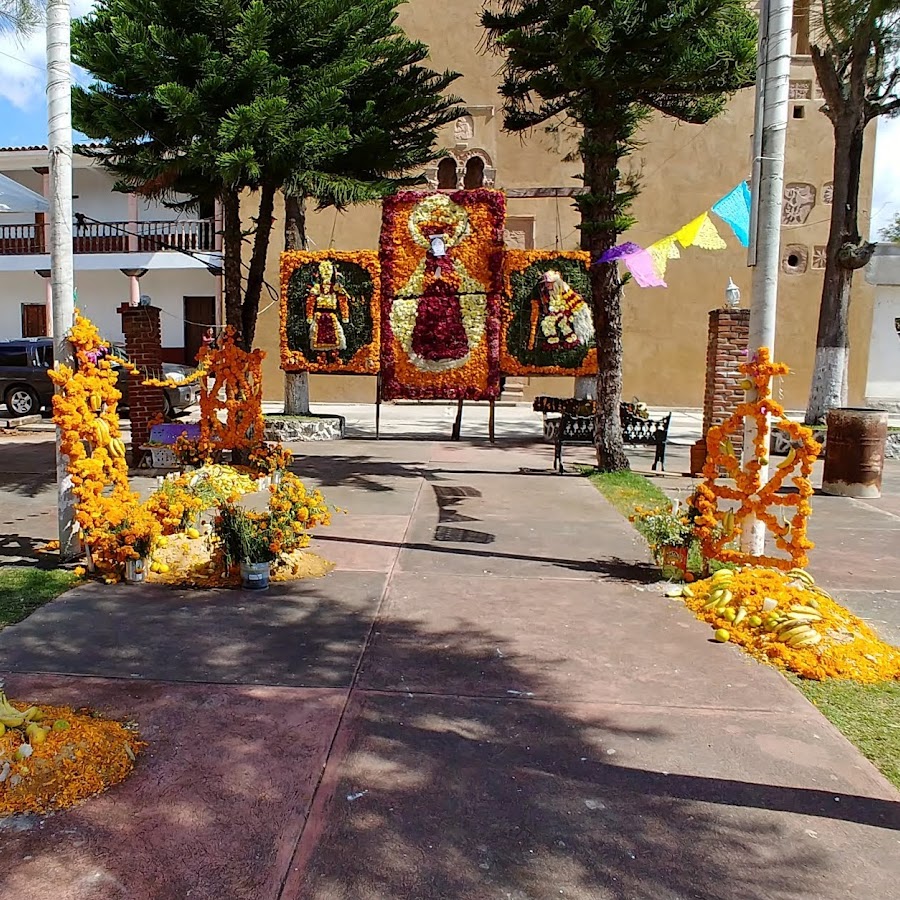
(684, 170)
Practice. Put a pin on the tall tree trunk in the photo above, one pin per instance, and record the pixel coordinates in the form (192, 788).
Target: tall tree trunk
(231, 259)
(845, 252)
(599, 151)
(257, 271)
(296, 384)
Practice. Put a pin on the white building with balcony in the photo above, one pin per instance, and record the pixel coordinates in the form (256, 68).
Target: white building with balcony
(124, 247)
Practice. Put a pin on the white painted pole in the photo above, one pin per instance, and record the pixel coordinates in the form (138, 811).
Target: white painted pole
(59, 143)
(770, 132)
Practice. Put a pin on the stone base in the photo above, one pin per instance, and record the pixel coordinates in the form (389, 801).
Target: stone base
(21, 421)
(892, 445)
(317, 428)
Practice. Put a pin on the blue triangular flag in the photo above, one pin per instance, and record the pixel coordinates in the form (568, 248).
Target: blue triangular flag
(734, 208)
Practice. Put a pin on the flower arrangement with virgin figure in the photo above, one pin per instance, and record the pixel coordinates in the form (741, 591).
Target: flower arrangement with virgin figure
(441, 258)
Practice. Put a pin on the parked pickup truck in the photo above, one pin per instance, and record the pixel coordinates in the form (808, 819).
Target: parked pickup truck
(26, 389)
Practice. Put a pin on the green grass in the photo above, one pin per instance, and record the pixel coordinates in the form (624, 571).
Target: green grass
(867, 714)
(23, 590)
(627, 490)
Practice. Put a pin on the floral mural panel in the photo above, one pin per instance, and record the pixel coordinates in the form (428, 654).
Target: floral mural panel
(547, 323)
(442, 267)
(330, 309)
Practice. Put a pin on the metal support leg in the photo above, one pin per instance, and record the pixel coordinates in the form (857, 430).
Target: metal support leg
(457, 425)
(378, 406)
(491, 417)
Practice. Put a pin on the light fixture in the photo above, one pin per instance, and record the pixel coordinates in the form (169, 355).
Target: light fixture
(732, 295)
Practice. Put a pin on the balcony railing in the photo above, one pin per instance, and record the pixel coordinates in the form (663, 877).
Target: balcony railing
(115, 237)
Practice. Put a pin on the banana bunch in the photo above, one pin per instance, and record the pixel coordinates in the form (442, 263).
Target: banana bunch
(720, 595)
(117, 448)
(96, 401)
(10, 717)
(102, 434)
(728, 528)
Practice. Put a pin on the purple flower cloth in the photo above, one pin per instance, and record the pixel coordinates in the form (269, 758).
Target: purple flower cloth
(622, 250)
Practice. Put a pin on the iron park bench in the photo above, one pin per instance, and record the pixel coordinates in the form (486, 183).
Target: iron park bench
(636, 431)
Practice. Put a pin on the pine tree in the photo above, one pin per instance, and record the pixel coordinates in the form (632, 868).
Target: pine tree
(855, 45)
(211, 99)
(20, 16)
(606, 66)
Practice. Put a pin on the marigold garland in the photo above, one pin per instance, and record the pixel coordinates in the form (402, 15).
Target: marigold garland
(114, 525)
(237, 374)
(79, 755)
(717, 526)
(340, 313)
(440, 314)
(848, 648)
(550, 340)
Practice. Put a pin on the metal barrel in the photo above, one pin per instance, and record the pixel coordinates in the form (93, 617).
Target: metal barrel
(854, 452)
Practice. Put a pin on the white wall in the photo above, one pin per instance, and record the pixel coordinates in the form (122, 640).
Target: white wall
(883, 381)
(100, 293)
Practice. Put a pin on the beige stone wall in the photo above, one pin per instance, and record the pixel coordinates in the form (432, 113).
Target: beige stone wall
(685, 170)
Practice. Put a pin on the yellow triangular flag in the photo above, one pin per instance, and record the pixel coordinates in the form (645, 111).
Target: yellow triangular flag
(661, 252)
(708, 237)
(687, 234)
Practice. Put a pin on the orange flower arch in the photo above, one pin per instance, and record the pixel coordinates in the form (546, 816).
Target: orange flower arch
(716, 527)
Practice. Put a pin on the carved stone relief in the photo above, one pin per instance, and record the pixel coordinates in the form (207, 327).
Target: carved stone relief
(827, 192)
(800, 90)
(799, 199)
(464, 129)
(795, 259)
(818, 260)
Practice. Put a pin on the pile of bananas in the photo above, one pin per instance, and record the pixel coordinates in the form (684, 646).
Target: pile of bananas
(792, 626)
(28, 723)
(103, 438)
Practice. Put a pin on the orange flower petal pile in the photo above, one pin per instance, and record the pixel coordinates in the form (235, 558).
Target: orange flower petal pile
(849, 649)
(87, 758)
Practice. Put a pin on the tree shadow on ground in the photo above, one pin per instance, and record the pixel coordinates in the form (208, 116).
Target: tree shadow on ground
(425, 795)
(27, 468)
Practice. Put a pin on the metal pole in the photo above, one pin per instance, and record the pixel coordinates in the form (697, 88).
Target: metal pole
(770, 131)
(59, 143)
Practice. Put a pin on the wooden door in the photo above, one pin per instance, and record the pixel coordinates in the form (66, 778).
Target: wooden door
(34, 320)
(199, 314)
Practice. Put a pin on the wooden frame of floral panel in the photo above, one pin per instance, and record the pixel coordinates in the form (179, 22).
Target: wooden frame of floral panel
(441, 268)
(330, 312)
(547, 322)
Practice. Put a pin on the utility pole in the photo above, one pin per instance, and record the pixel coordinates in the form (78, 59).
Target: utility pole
(62, 278)
(773, 77)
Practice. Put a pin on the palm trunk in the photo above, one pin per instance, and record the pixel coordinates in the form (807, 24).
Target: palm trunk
(845, 252)
(231, 260)
(257, 270)
(296, 384)
(598, 234)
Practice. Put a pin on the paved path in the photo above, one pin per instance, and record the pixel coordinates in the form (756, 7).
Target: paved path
(483, 701)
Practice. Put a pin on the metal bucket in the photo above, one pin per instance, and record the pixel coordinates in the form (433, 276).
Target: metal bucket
(135, 571)
(255, 576)
(854, 452)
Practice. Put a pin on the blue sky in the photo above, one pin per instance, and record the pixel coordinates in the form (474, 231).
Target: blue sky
(23, 116)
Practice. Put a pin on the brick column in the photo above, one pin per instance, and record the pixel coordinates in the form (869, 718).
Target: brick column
(729, 333)
(143, 343)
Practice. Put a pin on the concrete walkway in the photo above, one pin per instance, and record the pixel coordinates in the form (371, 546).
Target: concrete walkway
(483, 701)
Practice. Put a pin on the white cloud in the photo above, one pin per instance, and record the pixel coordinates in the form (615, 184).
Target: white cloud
(23, 78)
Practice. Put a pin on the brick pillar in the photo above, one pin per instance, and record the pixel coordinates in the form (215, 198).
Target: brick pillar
(729, 334)
(143, 343)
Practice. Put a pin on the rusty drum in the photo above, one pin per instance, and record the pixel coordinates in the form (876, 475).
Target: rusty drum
(854, 452)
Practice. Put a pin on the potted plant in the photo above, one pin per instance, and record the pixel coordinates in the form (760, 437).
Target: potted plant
(669, 532)
(136, 536)
(246, 539)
